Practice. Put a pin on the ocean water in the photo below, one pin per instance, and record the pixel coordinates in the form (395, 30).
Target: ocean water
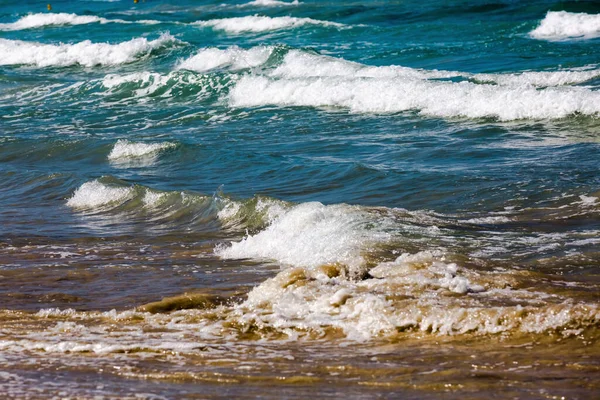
(284, 199)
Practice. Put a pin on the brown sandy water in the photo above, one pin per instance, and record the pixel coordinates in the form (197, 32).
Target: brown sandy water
(74, 324)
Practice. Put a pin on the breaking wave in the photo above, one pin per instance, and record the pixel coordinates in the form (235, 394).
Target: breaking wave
(86, 53)
(234, 58)
(367, 272)
(270, 3)
(280, 76)
(305, 79)
(57, 19)
(258, 23)
(39, 20)
(125, 150)
(95, 194)
(563, 25)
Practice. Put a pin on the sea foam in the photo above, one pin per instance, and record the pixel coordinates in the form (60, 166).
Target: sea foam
(86, 53)
(562, 25)
(416, 292)
(258, 23)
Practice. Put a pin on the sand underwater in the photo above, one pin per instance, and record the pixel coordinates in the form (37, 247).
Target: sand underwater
(294, 199)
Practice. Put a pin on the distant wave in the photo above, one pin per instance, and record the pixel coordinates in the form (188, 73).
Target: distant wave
(262, 24)
(562, 25)
(50, 19)
(86, 53)
(270, 3)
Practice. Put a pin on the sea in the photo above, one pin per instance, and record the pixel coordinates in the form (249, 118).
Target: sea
(299, 199)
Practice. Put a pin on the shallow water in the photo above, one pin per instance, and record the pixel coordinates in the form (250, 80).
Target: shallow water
(288, 199)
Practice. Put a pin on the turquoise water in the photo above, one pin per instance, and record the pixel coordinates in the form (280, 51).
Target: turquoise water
(355, 173)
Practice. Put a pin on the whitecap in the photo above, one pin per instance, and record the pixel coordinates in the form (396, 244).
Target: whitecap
(234, 58)
(86, 53)
(95, 194)
(258, 23)
(270, 3)
(53, 19)
(310, 235)
(563, 25)
(126, 150)
(438, 99)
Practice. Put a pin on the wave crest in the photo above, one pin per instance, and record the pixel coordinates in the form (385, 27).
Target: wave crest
(563, 25)
(84, 53)
(234, 58)
(258, 24)
(312, 80)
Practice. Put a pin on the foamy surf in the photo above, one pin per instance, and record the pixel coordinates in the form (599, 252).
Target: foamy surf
(438, 99)
(86, 53)
(344, 273)
(563, 25)
(416, 293)
(275, 75)
(259, 24)
(311, 80)
(413, 296)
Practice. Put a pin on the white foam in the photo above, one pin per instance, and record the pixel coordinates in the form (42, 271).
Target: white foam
(234, 58)
(86, 53)
(306, 79)
(270, 3)
(40, 20)
(310, 235)
(96, 194)
(125, 149)
(411, 293)
(588, 201)
(258, 23)
(434, 98)
(562, 25)
(487, 220)
(541, 78)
